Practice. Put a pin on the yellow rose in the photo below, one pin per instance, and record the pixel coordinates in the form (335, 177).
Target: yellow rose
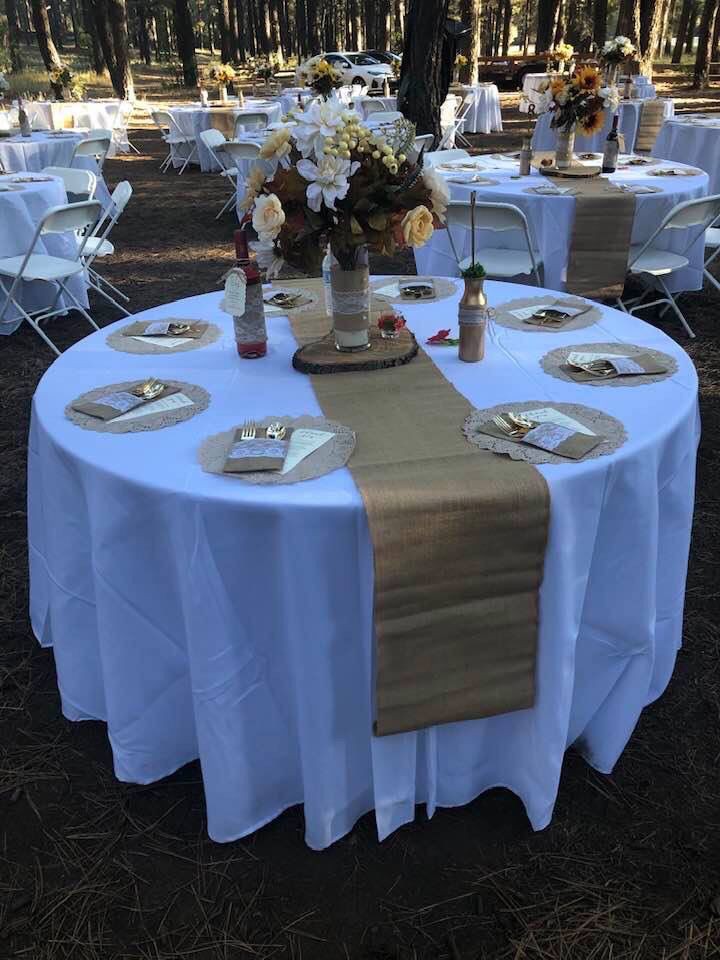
(277, 145)
(417, 226)
(253, 185)
(268, 217)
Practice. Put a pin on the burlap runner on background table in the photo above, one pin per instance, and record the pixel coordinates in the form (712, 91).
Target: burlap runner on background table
(600, 240)
(224, 121)
(652, 117)
(459, 542)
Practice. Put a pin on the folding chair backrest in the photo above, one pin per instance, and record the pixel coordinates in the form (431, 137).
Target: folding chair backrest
(497, 217)
(257, 120)
(79, 184)
(242, 151)
(370, 106)
(426, 140)
(71, 216)
(162, 119)
(96, 147)
(99, 133)
(212, 139)
(444, 156)
(693, 213)
(385, 116)
(120, 196)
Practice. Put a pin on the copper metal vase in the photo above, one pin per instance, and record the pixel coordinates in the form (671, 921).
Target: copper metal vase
(472, 319)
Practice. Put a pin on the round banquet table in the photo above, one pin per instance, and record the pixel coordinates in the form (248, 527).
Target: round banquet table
(201, 616)
(551, 220)
(53, 115)
(21, 210)
(545, 137)
(484, 115)
(192, 120)
(531, 90)
(289, 98)
(694, 139)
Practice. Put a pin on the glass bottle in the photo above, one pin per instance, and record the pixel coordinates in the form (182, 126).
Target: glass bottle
(612, 148)
(525, 157)
(250, 329)
(25, 128)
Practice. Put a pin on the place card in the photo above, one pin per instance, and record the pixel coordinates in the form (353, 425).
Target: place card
(171, 401)
(303, 442)
(169, 327)
(551, 415)
(261, 453)
(167, 342)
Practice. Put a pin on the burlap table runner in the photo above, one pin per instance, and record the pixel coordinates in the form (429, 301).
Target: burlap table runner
(224, 121)
(459, 542)
(600, 240)
(652, 117)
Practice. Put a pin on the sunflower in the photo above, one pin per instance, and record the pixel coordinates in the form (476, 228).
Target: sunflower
(587, 78)
(557, 86)
(592, 123)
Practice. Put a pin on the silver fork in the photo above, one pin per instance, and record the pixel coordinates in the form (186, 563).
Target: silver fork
(248, 430)
(507, 428)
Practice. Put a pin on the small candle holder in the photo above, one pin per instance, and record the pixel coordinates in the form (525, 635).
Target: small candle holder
(390, 324)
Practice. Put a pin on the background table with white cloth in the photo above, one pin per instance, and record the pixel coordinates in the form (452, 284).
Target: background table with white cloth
(550, 219)
(545, 136)
(484, 115)
(192, 120)
(19, 154)
(361, 105)
(58, 115)
(288, 99)
(199, 615)
(532, 82)
(22, 207)
(693, 139)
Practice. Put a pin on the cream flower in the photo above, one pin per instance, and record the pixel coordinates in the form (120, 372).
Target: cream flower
(417, 226)
(329, 180)
(277, 147)
(253, 185)
(268, 217)
(439, 192)
(317, 123)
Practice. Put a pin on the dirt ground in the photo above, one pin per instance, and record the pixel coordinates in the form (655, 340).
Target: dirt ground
(91, 869)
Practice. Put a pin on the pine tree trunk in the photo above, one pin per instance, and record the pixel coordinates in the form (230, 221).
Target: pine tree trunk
(313, 32)
(473, 53)
(55, 20)
(546, 15)
(507, 24)
(690, 34)
(600, 13)
(682, 30)
(667, 7)
(16, 62)
(143, 33)
(625, 20)
(704, 51)
(122, 81)
(648, 21)
(715, 49)
(226, 51)
(41, 22)
(423, 86)
(185, 33)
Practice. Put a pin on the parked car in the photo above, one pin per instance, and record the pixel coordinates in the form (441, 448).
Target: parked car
(383, 56)
(357, 68)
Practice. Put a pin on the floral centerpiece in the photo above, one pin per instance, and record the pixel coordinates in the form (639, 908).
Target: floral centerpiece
(577, 103)
(614, 52)
(562, 54)
(223, 75)
(460, 61)
(63, 82)
(335, 182)
(321, 77)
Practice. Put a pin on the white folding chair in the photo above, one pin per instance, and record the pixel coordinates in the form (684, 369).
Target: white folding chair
(242, 157)
(384, 116)
(121, 138)
(712, 243)
(434, 157)
(358, 90)
(216, 143)
(370, 105)
(646, 260)
(452, 131)
(79, 184)
(499, 218)
(424, 144)
(49, 269)
(251, 121)
(173, 136)
(98, 245)
(95, 145)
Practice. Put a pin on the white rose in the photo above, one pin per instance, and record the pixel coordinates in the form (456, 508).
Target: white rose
(268, 217)
(439, 192)
(417, 226)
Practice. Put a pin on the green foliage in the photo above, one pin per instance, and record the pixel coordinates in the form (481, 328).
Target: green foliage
(474, 271)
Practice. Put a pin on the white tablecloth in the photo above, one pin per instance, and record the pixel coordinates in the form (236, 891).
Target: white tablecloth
(20, 213)
(531, 90)
(693, 140)
(484, 115)
(545, 137)
(85, 114)
(551, 220)
(201, 616)
(289, 98)
(192, 120)
(32, 154)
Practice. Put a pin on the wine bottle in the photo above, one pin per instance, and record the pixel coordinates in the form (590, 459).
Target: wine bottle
(612, 148)
(25, 128)
(250, 330)
(525, 157)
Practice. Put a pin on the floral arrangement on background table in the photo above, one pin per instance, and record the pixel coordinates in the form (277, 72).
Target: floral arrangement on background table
(577, 102)
(321, 76)
(562, 54)
(337, 183)
(63, 83)
(460, 61)
(223, 75)
(615, 52)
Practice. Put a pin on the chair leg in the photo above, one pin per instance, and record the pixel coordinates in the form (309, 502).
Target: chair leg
(670, 301)
(102, 280)
(228, 204)
(189, 158)
(77, 305)
(26, 316)
(713, 280)
(103, 293)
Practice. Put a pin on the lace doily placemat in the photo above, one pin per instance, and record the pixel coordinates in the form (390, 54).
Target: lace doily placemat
(504, 318)
(118, 341)
(150, 421)
(444, 288)
(311, 291)
(600, 423)
(332, 455)
(553, 360)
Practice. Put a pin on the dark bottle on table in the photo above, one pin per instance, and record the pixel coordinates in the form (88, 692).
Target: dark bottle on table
(25, 128)
(612, 148)
(250, 330)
